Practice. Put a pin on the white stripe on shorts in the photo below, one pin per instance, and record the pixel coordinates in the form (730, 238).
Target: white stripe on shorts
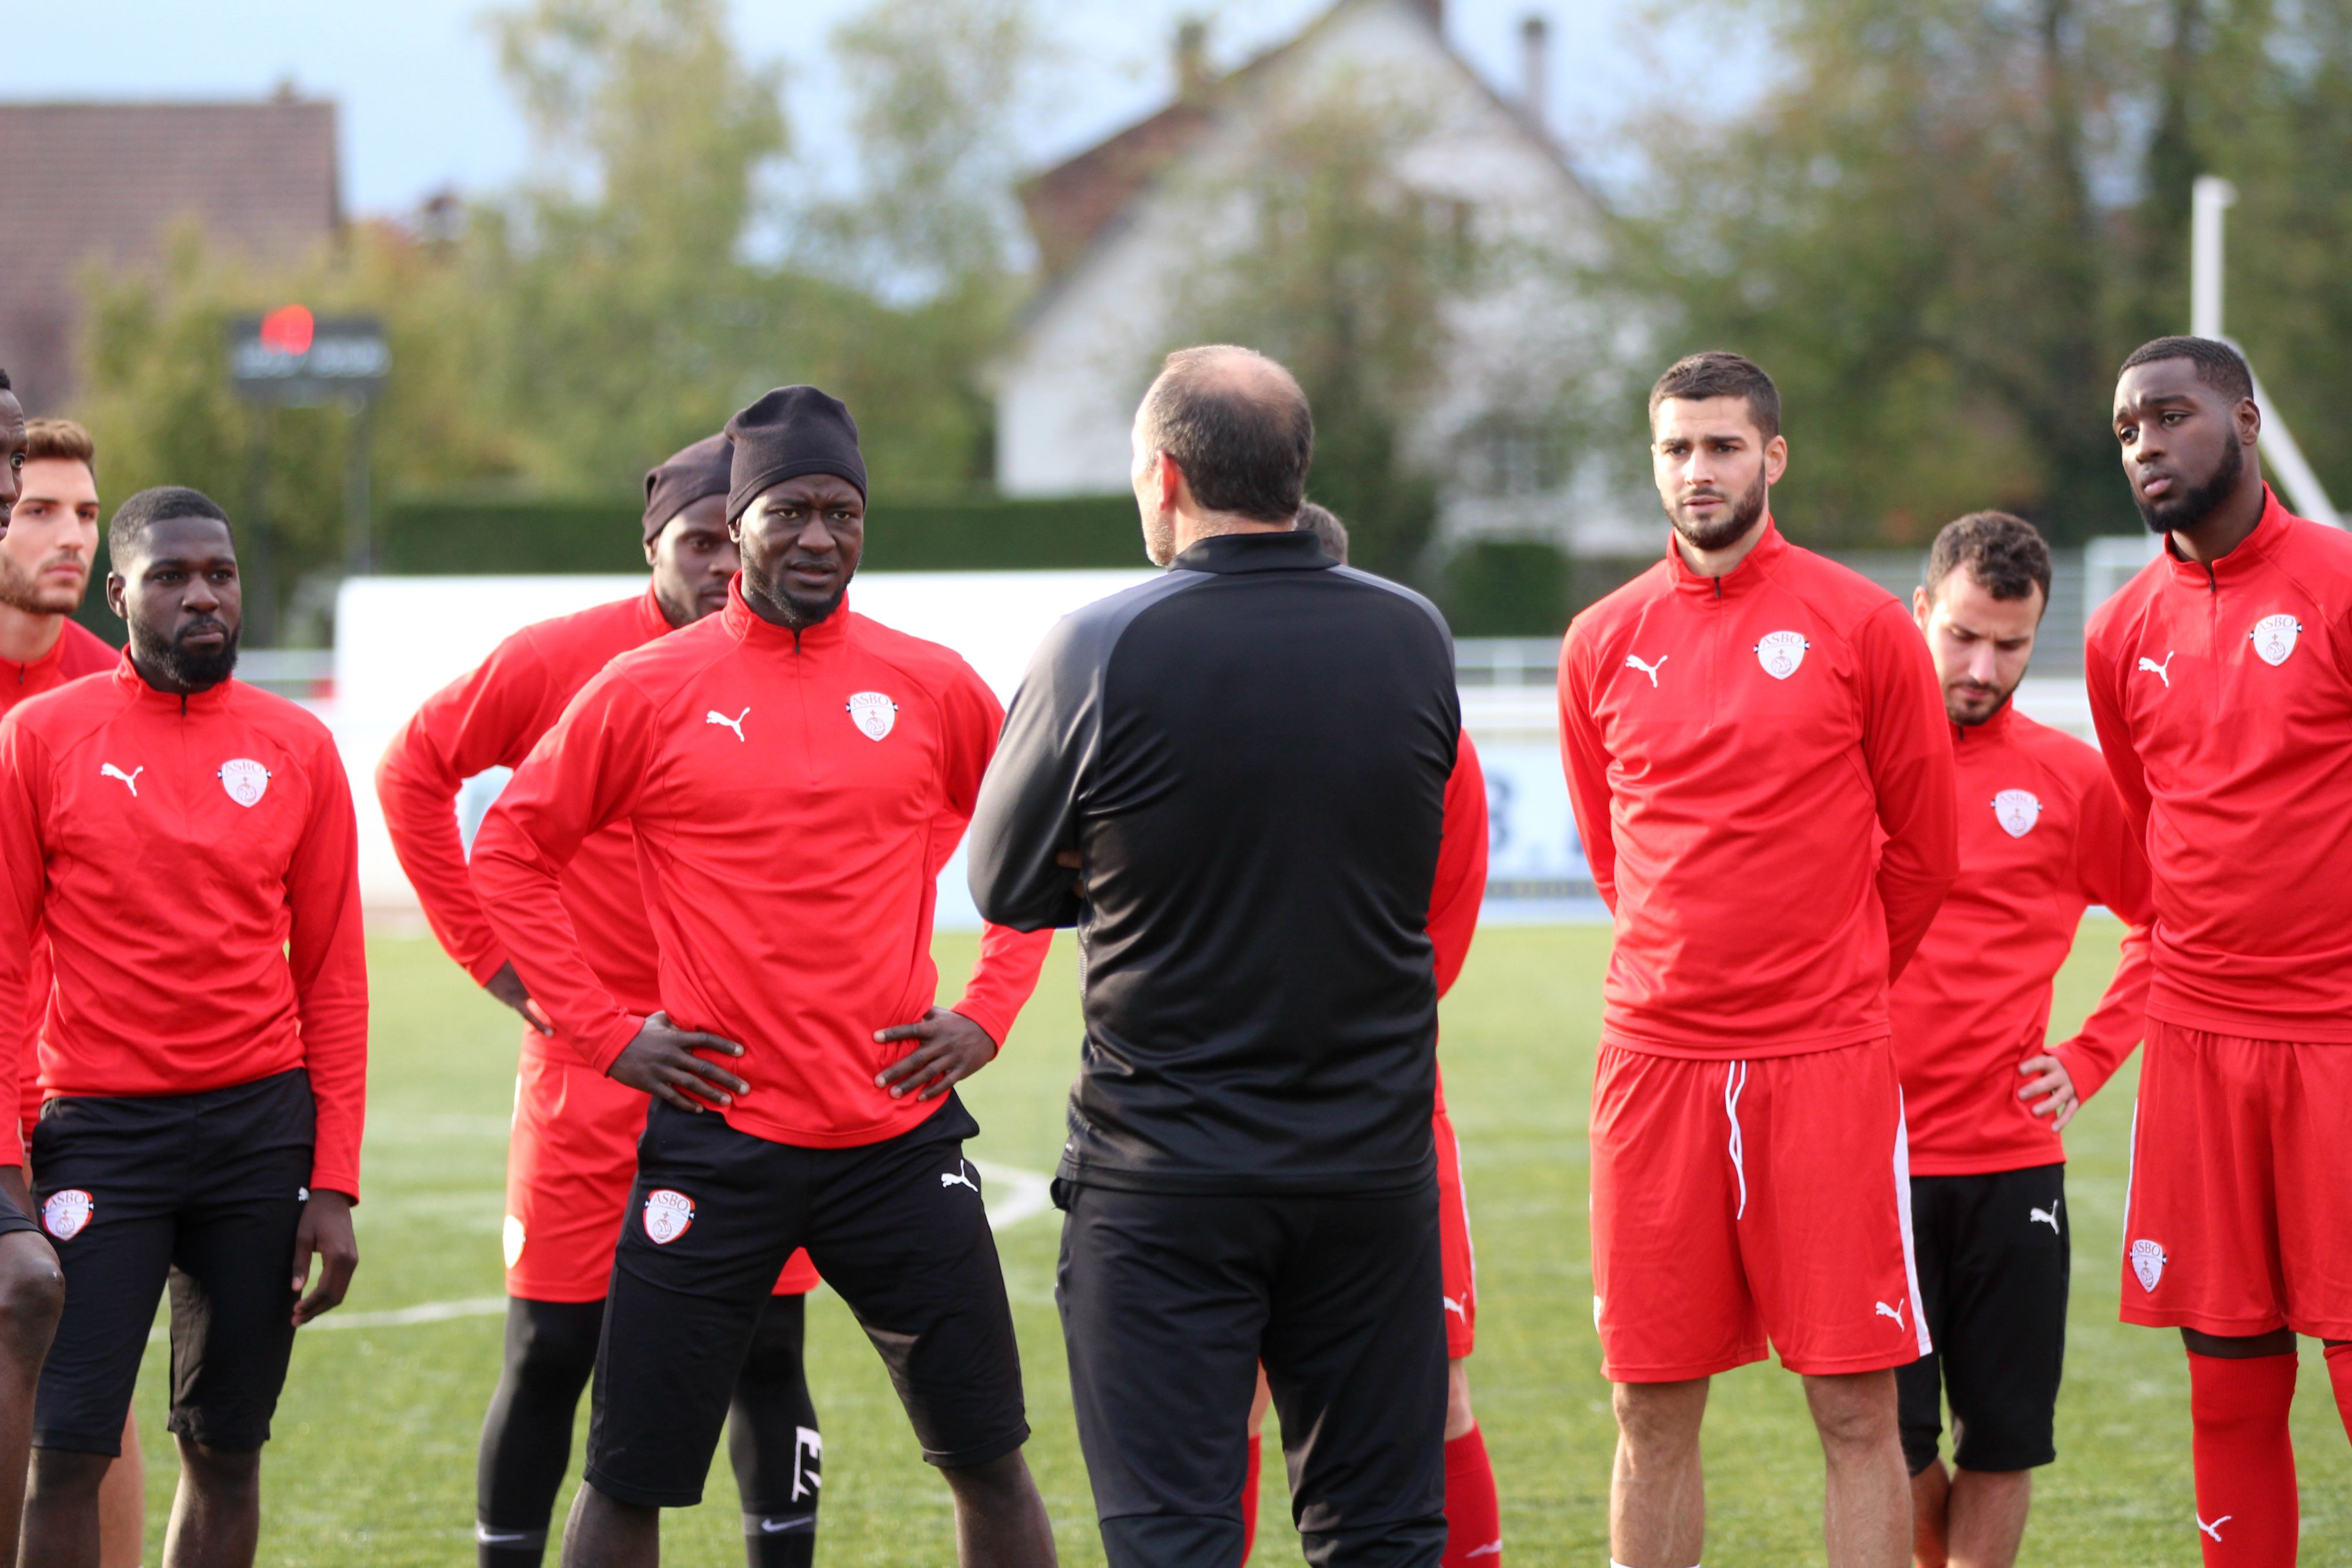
(1903, 1212)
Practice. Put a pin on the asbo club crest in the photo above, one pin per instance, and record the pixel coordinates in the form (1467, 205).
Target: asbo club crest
(1781, 652)
(872, 714)
(669, 1215)
(2147, 1262)
(64, 1214)
(244, 779)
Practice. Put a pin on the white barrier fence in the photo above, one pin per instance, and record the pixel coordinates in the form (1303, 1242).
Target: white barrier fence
(400, 638)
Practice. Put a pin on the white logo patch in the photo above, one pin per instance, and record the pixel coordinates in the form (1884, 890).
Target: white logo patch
(1895, 1311)
(2274, 638)
(511, 1238)
(2161, 671)
(669, 1215)
(959, 1176)
(130, 779)
(735, 724)
(2016, 811)
(2147, 1262)
(64, 1214)
(872, 714)
(1633, 661)
(2048, 1216)
(246, 780)
(1781, 652)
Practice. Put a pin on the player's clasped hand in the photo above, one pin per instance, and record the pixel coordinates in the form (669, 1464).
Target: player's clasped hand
(324, 1233)
(2048, 1081)
(662, 1061)
(953, 1047)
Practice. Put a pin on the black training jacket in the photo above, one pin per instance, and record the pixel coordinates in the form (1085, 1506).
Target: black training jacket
(1251, 755)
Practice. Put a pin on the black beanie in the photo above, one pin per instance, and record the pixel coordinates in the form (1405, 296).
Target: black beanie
(684, 478)
(791, 432)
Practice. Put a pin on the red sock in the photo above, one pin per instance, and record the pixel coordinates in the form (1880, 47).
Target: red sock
(2339, 1372)
(2247, 1515)
(1249, 1496)
(1474, 1520)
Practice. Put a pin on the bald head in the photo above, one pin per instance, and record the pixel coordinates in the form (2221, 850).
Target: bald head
(1237, 427)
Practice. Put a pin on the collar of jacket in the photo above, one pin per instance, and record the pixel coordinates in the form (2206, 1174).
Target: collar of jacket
(1990, 730)
(753, 629)
(1285, 549)
(2243, 561)
(1752, 570)
(133, 687)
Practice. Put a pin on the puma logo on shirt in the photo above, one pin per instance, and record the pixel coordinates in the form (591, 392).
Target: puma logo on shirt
(130, 779)
(2161, 671)
(735, 724)
(1633, 661)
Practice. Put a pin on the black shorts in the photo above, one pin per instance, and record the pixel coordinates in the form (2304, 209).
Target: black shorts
(206, 1190)
(1995, 1254)
(12, 1219)
(1170, 1302)
(897, 1228)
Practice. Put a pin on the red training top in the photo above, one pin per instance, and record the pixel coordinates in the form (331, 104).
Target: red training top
(78, 652)
(1734, 745)
(795, 796)
(2224, 700)
(1460, 885)
(2042, 837)
(491, 718)
(197, 862)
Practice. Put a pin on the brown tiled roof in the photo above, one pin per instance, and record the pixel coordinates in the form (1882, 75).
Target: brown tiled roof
(1069, 204)
(105, 181)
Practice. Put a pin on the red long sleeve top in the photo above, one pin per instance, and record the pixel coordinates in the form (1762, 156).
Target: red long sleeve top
(1734, 747)
(78, 652)
(491, 718)
(2043, 838)
(2224, 701)
(1460, 885)
(195, 861)
(795, 796)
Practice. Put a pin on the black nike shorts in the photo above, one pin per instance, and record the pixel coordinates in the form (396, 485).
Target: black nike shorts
(897, 1228)
(204, 1191)
(1171, 1303)
(1995, 1256)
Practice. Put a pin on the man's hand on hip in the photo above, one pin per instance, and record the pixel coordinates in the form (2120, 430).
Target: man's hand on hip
(2047, 1080)
(953, 1047)
(508, 986)
(662, 1063)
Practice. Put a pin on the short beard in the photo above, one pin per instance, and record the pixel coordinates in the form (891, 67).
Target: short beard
(799, 614)
(184, 670)
(1725, 534)
(22, 590)
(2190, 511)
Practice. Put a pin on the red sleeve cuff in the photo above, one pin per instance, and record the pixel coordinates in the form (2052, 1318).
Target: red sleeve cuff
(486, 966)
(606, 1048)
(990, 1022)
(336, 1178)
(2088, 1075)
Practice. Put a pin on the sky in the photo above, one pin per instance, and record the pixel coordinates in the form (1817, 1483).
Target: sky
(424, 108)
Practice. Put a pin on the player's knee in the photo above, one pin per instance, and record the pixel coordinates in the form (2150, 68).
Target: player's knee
(552, 1345)
(220, 1473)
(999, 1482)
(65, 1474)
(1660, 1419)
(32, 1294)
(1853, 1410)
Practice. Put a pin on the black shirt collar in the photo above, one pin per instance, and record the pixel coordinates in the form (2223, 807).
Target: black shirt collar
(1289, 550)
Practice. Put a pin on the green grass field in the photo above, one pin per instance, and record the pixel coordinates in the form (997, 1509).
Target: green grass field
(372, 1463)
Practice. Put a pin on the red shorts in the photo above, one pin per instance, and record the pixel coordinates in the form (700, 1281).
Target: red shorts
(1454, 1241)
(1734, 1200)
(569, 1165)
(2238, 1216)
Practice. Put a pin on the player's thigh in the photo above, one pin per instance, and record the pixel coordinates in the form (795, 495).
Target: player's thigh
(2002, 1337)
(712, 1216)
(1355, 1353)
(571, 1163)
(1826, 1241)
(900, 1229)
(1460, 1297)
(2201, 1215)
(1919, 1386)
(233, 1260)
(106, 1189)
(1669, 1297)
(2313, 1181)
(1164, 1301)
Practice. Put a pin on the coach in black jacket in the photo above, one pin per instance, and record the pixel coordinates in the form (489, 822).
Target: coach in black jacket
(1232, 781)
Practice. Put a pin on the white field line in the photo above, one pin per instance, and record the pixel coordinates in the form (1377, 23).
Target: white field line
(1021, 1194)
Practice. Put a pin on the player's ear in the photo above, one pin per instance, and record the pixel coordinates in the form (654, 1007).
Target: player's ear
(1776, 459)
(114, 597)
(1922, 607)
